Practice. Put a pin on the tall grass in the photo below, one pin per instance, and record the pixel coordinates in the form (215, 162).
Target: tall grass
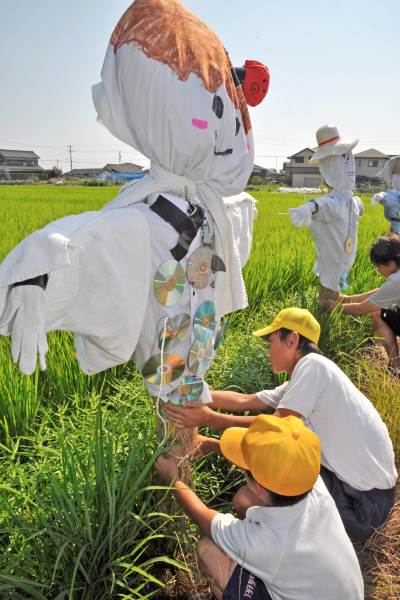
(80, 517)
(87, 522)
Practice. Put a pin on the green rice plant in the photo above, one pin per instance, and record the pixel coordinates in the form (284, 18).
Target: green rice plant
(19, 398)
(93, 528)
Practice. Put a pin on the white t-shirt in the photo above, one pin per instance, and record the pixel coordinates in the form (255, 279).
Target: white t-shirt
(301, 552)
(355, 443)
(389, 293)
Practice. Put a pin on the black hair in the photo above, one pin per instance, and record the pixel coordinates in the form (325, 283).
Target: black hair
(305, 345)
(384, 249)
(278, 499)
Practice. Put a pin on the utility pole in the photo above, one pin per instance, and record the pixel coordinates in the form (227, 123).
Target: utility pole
(70, 155)
(119, 157)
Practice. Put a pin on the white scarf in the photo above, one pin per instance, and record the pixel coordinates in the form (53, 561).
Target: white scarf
(230, 291)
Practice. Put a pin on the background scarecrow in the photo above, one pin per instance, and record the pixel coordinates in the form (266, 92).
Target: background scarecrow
(332, 219)
(390, 200)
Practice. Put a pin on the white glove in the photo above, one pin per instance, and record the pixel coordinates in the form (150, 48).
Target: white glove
(27, 307)
(377, 198)
(301, 215)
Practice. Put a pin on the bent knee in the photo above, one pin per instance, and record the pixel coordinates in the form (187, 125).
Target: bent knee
(376, 317)
(203, 549)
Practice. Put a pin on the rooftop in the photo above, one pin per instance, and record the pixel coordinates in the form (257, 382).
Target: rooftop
(18, 154)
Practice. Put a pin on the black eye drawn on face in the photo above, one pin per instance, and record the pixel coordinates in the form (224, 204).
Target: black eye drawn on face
(237, 126)
(218, 106)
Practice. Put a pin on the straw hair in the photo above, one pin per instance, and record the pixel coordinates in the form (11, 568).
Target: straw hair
(282, 454)
(295, 319)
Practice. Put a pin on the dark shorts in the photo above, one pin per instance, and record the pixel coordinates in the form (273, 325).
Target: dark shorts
(362, 512)
(392, 318)
(242, 585)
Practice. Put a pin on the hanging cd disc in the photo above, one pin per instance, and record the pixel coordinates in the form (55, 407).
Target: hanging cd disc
(349, 244)
(175, 331)
(221, 333)
(172, 367)
(344, 281)
(190, 388)
(169, 282)
(204, 321)
(200, 356)
(198, 270)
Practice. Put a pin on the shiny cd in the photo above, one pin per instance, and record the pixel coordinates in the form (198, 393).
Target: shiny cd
(221, 333)
(200, 356)
(172, 367)
(169, 282)
(190, 388)
(175, 331)
(204, 321)
(198, 269)
(344, 281)
(349, 244)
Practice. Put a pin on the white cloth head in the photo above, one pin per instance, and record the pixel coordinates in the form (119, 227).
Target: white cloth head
(167, 91)
(396, 181)
(339, 172)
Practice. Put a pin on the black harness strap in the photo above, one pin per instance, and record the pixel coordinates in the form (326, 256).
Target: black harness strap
(186, 225)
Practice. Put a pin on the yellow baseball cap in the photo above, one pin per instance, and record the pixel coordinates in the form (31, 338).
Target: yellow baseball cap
(281, 454)
(295, 319)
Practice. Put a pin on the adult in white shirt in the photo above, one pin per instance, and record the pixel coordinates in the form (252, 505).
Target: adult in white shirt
(357, 461)
(293, 546)
(382, 303)
(332, 219)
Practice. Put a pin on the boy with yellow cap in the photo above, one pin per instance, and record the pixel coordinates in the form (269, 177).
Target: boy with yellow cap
(294, 546)
(357, 453)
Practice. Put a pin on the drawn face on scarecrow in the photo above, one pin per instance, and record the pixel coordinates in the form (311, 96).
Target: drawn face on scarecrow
(167, 90)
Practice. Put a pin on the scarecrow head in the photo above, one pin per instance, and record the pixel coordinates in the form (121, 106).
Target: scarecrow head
(168, 91)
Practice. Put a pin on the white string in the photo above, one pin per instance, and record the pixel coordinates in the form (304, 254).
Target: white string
(164, 422)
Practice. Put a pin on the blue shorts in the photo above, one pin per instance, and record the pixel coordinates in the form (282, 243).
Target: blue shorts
(242, 585)
(362, 512)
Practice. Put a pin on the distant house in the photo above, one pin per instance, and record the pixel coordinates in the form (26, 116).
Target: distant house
(298, 173)
(87, 173)
(370, 162)
(107, 172)
(263, 172)
(19, 160)
(113, 170)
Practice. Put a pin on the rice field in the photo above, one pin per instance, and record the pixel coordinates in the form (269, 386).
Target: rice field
(81, 512)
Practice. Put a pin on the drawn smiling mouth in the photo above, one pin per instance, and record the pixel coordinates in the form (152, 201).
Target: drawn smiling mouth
(224, 152)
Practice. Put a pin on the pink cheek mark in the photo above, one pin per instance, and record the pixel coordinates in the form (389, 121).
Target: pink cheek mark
(199, 124)
(248, 147)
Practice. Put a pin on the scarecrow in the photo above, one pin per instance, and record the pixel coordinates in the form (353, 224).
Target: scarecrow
(150, 276)
(390, 200)
(332, 219)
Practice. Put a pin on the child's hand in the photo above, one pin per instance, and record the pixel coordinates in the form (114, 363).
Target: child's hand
(190, 414)
(166, 467)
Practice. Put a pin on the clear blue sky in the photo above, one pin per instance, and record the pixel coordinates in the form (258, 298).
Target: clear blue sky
(330, 61)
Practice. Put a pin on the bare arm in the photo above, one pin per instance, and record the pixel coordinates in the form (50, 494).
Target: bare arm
(360, 308)
(197, 414)
(357, 297)
(195, 509)
(286, 412)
